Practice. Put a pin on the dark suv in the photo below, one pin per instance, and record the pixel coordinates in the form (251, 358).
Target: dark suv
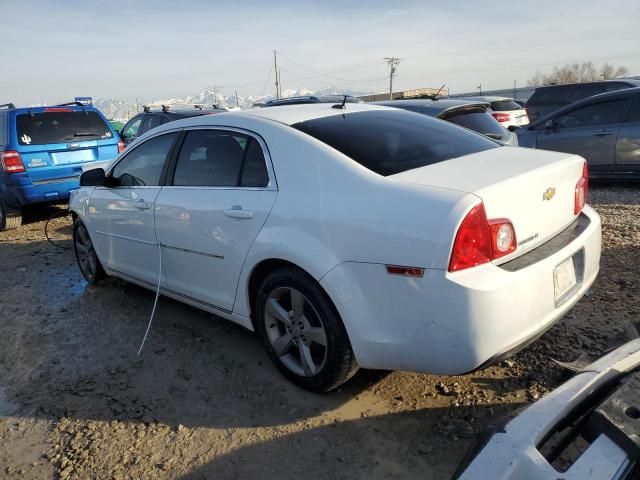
(548, 99)
(153, 117)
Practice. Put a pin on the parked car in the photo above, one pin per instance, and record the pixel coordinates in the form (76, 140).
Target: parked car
(470, 114)
(505, 110)
(306, 99)
(43, 150)
(550, 98)
(604, 129)
(152, 117)
(357, 236)
(584, 429)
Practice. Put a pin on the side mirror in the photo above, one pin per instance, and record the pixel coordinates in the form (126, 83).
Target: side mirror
(550, 125)
(512, 128)
(93, 178)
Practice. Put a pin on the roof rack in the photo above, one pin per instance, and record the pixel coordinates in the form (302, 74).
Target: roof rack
(7, 105)
(166, 108)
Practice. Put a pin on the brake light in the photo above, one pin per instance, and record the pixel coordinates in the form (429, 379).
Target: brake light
(472, 245)
(582, 190)
(120, 146)
(501, 116)
(11, 162)
(57, 109)
(480, 240)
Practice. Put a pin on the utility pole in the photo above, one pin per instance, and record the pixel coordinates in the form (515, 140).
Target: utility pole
(393, 62)
(237, 102)
(275, 69)
(137, 109)
(480, 88)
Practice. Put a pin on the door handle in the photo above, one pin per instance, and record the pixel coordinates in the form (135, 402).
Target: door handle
(237, 212)
(140, 204)
(603, 133)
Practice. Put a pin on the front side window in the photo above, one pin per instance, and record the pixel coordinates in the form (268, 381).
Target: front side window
(212, 158)
(61, 126)
(143, 165)
(152, 121)
(592, 115)
(392, 141)
(131, 129)
(634, 113)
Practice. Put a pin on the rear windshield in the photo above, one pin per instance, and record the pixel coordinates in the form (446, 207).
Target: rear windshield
(393, 141)
(564, 94)
(505, 106)
(61, 127)
(481, 122)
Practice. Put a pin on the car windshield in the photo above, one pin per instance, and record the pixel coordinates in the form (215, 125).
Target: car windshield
(61, 127)
(393, 141)
(505, 106)
(480, 122)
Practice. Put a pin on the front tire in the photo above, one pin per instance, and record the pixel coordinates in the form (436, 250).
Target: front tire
(302, 331)
(90, 266)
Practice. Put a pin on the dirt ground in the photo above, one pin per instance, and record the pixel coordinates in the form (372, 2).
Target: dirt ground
(203, 400)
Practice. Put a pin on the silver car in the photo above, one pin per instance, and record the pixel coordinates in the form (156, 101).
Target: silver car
(604, 129)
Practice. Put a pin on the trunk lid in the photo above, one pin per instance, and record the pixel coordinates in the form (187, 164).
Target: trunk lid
(533, 189)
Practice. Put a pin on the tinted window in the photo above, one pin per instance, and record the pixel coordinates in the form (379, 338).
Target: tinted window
(481, 122)
(634, 113)
(132, 128)
(3, 130)
(210, 158)
(143, 165)
(61, 127)
(152, 121)
(601, 113)
(254, 172)
(505, 106)
(393, 141)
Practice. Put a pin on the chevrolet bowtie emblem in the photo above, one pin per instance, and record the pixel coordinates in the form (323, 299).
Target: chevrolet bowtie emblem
(549, 193)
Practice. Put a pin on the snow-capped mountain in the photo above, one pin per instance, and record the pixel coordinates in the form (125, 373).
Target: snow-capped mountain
(123, 110)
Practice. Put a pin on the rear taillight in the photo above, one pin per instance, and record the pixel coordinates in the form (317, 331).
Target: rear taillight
(582, 190)
(11, 162)
(501, 116)
(480, 240)
(57, 109)
(120, 146)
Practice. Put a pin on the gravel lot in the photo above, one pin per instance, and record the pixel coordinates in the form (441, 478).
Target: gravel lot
(203, 400)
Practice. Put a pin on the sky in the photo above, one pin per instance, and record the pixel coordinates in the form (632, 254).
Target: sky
(53, 51)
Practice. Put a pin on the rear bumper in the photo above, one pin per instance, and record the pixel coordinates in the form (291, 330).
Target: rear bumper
(452, 323)
(19, 189)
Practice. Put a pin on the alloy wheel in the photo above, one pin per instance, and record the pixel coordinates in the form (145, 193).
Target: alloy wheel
(85, 253)
(295, 331)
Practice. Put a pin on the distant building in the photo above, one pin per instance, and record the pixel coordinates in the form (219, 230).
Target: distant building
(415, 93)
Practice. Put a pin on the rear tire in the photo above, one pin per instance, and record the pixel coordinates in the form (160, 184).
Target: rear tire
(10, 218)
(302, 331)
(88, 261)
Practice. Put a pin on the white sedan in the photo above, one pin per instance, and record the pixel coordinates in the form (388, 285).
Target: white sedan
(347, 236)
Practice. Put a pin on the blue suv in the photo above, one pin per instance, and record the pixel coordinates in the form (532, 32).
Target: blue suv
(43, 151)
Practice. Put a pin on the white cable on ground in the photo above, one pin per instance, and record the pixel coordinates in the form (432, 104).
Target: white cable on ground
(155, 302)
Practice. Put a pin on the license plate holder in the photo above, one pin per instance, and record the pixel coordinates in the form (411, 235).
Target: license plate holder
(564, 278)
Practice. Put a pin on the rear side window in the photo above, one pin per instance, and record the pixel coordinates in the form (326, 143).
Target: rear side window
(481, 122)
(3, 130)
(143, 165)
(214, 158)
(505, 106)
(152, 121)
(393, 141)
(61, 127)
(634, 113)
(600, 113)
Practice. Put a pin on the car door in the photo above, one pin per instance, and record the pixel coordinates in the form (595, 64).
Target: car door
(221, 191)
(132, 129)
(628, 144)
(589, 130)
(122, 214)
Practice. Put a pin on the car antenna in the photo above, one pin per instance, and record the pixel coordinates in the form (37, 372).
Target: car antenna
(342, 105)
(435, 97)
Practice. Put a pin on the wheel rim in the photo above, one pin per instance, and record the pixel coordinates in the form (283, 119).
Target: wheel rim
(295, 331)
(84, 253)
